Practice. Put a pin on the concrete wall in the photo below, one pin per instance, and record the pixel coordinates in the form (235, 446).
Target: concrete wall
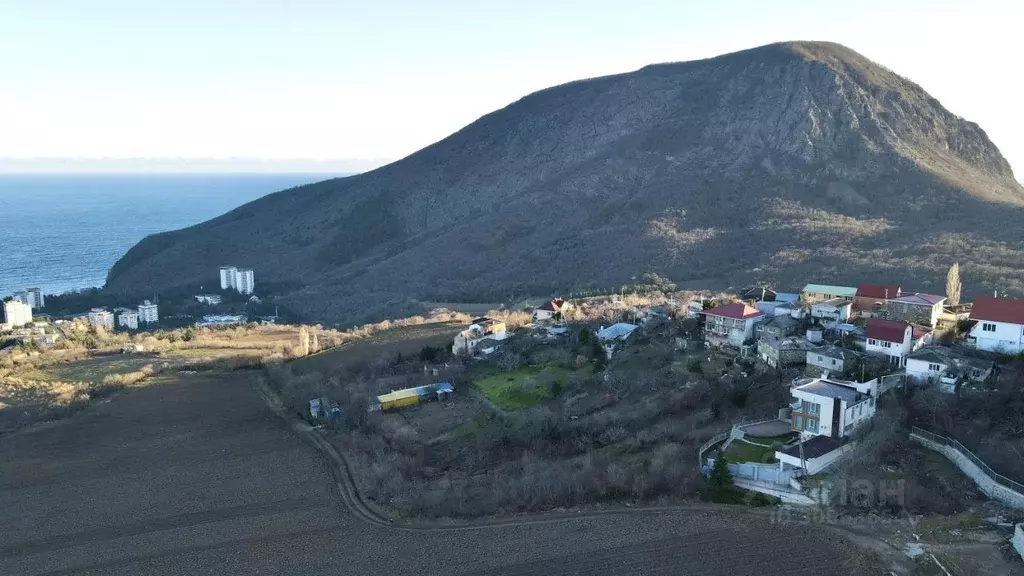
(985, 483)
(1018, 539)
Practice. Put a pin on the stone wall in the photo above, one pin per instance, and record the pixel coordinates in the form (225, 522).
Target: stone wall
(986, 483)
(909, 313)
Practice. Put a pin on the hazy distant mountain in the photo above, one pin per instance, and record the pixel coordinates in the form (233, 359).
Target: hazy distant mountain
(186, 165)
(792, 162)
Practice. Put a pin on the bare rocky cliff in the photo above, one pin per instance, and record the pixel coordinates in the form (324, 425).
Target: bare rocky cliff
(784, 162)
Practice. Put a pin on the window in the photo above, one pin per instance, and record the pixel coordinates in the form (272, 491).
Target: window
(872, 341)
(933, 367)
(811, 408)
(798, 422)
(833, 361)
(812, 425)
(988, 327)
(872, 401)
(819, 358)
(886, 344)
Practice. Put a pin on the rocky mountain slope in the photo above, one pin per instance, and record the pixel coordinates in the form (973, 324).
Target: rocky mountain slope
(789, 163)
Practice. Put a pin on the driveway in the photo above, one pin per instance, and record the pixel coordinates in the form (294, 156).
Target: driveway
(198, 476)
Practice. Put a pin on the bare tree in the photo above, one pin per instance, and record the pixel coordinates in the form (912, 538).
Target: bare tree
(953, 284)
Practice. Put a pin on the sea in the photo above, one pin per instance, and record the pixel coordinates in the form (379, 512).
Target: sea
(63, 232)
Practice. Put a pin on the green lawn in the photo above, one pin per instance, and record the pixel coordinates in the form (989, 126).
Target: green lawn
(524, 387)
(740, 452)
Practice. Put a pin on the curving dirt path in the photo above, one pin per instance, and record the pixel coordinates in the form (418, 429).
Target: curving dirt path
(199, 477)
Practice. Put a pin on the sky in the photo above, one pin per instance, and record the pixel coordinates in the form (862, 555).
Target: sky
(357, 80)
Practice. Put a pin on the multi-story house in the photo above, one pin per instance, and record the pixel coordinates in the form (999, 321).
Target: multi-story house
(833, 359)
(916, 308)
(831, 407)
(1000, 325)
(893, 339)
(17, 313)
(731, 324)
(831, 312)
(148, 312)
(776, 327)
(128, 319)
(101, 318)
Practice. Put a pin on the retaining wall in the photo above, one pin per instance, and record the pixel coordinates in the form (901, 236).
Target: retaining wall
(986, 483)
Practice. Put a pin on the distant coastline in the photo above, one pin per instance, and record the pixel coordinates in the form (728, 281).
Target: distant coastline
(200, 166)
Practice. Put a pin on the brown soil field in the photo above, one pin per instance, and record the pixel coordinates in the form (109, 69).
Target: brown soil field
(195, 475)
(407, 340)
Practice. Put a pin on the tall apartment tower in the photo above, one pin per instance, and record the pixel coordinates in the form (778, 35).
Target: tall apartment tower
(148, 312)
(17, 313)
(227, 277)
(244, 281)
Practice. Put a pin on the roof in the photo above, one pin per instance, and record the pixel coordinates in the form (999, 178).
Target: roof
(931, 354)
(878, 291)
(781, 321)
(737, 310)
(397, 395)
(920, 332)
(759, 293)
(444, 387)
(813, 448)
(838, 302)
(616, 331)
(1009, 310)
(919, 299)
(789, 344)
(844, 291)
(552, 305)
(838, 353)
(830, 389)
(786, 297)
(886, 330)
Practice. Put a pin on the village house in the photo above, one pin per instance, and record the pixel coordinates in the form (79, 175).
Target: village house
(871, 297)
(466, 341)
(916, 308)
(614, 335)
(831, 312)
(833, 359)
(820, 292)
(894, 339)
(777, 327)
(831, 407)
(552, 309)
(783, 352)
(1000, 325)
(936, 364)
(731, 324)
(758, 294)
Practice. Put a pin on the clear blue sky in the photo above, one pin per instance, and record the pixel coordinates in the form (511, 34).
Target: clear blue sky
(380, 79)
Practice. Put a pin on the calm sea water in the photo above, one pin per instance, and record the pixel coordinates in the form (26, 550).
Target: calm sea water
(63, 232)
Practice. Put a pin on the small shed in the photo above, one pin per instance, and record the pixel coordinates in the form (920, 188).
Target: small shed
(398, 399)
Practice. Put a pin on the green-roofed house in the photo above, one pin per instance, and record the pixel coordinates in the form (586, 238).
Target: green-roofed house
(820, 292)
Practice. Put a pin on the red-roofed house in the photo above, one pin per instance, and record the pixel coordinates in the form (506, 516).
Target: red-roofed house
(872, 296)
(549, 309)
(731, 324)
(1000, 326)
(891, 338)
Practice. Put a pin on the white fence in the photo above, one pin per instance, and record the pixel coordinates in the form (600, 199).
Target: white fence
(995, 486)
(768, 473)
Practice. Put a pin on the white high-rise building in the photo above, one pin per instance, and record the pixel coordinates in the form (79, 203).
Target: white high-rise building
(227, 277)
(244, 281)
(148, 312)
(101, 317)
(17, 313)
(128, 319)
(35, 296)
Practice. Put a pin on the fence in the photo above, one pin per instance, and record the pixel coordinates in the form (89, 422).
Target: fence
(952, 443)
(767, 473)
(707, 445)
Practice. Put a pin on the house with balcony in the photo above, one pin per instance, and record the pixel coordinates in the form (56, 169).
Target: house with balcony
(831, 407)
(999, 325)
(731, 324)
(893, 339)
(831, 312)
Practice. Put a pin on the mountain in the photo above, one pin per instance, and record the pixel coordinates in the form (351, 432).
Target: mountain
(788, 163)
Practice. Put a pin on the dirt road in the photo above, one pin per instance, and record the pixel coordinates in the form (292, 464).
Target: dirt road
(199, 477)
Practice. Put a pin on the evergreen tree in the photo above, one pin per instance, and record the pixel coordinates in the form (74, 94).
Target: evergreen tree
(720, 486)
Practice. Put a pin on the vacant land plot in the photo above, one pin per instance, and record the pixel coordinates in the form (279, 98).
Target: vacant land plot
(195, 476)
(523, 387)
(405, 340)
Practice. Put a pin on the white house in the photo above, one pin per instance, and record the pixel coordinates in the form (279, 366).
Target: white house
(128, 319)
(481, 329)
(148, 312)
(613, 335)
(731, 324)
(935, 364)
(891, 338)
(833, 359)
(831, 312)
(1000, 325)
(835, 408)
(210, 299)
(101, 318)
(549, 309)
(17, 313)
